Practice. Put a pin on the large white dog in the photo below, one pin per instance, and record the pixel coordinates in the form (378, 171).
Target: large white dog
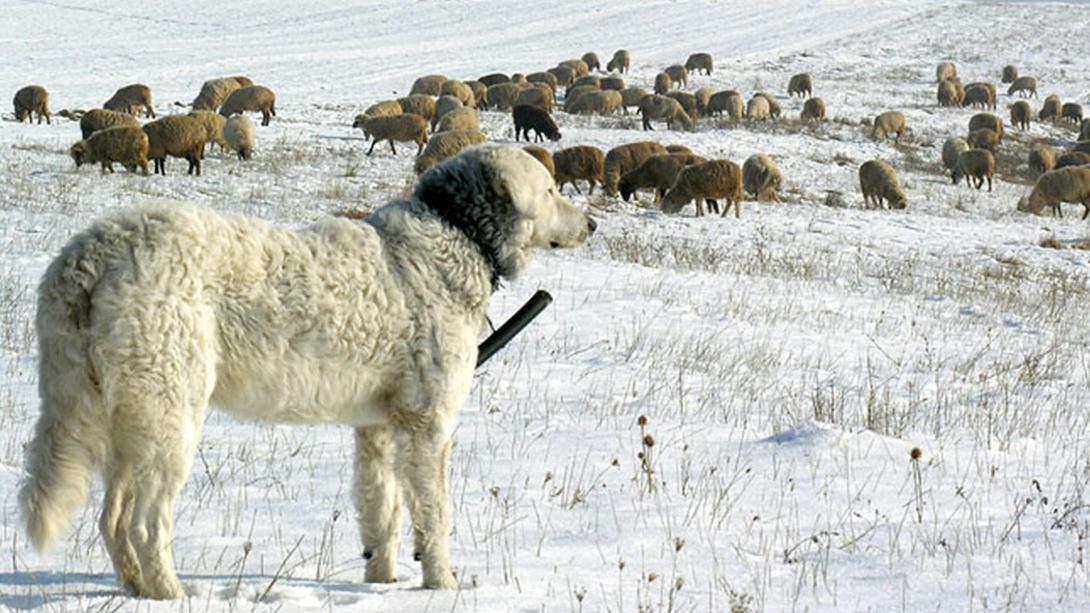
(147, 317)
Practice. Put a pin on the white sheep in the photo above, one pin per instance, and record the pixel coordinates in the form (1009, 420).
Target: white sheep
(239, 134)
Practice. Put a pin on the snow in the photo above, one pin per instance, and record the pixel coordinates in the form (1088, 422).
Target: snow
(787, 362)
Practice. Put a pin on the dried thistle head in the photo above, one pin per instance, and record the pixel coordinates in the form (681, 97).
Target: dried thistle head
(679, 542)
(648, 440)
(642, 420)
(915, 454)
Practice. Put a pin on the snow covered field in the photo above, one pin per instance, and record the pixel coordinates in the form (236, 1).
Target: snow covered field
(786, 363)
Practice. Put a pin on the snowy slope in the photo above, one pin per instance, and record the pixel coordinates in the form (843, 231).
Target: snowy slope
(787, 362)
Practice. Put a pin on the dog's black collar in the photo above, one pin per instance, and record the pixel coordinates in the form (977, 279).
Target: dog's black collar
(467, 201)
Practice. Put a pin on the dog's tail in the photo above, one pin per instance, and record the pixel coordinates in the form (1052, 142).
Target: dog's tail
(71, 435)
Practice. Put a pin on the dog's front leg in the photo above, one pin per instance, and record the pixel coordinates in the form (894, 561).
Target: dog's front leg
(426, 461)
(378, 502)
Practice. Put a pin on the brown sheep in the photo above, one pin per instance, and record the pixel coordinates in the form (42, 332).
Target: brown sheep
(564, 75)
(1027, 86)
(1010, 73)
(127, 145)
(575, 93)
(656, 107)
(443, 145)
(579, 67)
(252, 98)
(178, 136)
(978, 164)
(590, 58)
(100, 119)
(1042, 158)
(890, 122)
(613, 83)
(459, 90)
(444, 105)
(949, 94)
(757, 109)
(378, 109)
(679, 77)
(620, 61)
(587, 81)
(1050, 108)
(214, 92)
(579, 163)
(878, 182)
(493, 78)
(1057, 186)
(774, 110)
(539, 95)
(978, 95)
(951, 151)
(480, 93)
(1073, 158)
(1072, 111)
(631, 96)
(624, 158)
(699, 61)
(32, 99)
(663, 83)
(676, 148)
(729, 102)
(801, 84)
(702, 95)
(706, 182)
(657, 172)
(687, 102)
(404, 127)
(418, 104)
(597, 103)
(463, 119)
(518, 77)
(213, 124)
(131, 99)
(1021, 114)
(544, 77)
(542, 155)
(945, 70)
(762, 178)
(813, 110)
(502, 96)
(983, 138)
(429, 85)
(987, 120)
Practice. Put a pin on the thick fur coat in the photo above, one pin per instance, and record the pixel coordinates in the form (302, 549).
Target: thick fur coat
(147, 317)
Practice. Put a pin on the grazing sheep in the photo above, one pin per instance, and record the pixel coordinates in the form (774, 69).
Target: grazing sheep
(1072, 111)
(624, 158)
(242, 81)
(878, 182)
(1021, 113)
(1084, 129)
(574, 94)
(518, 77)
(727, 101)
(801, 84)
(178, 136)
(213, 124)
(597, 103)
(131, 99)
(813, 110)
(679, 76)
(590, 58)
(1073, 158)
(613, 83)
(502, 96)
(945, 70)
(404, 127)
(460, 91)
(564, 75)
(418, 104)
(1057, 186)
(757, 109)
(544, 77)
(530, 117)
(32, 99)
(656, 107)
(949, 94)
(1024, 85)
(631, 96)
(100, 119)
(214, 92)
(657, 172)
(675, 148)
(480, 93)
(464, 119)
(582, 162)
(579, 67)
(542, 155)
(699, 61)
(663, 82)
(127, 145)
(620, 61)
(687, 102)
(238, 131)
(1010, 73)
(978, 95)
(706, 182)
(1050, 109)
(761, 177)
(774, 110)
(444, 105)
(379, 109)
(951, 149)
(430, 85)
(494, 78)
(1042, 158)
(443, 145)
(983, 138)
(890, 122)
(987, 120)
(252, 98)
(978, 164)
(587, 80)
(539, 95)
(71, 114)
(702, 96)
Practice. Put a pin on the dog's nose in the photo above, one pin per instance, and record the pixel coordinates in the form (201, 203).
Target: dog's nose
(591, 225)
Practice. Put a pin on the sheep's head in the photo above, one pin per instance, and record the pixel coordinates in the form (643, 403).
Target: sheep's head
(21, 115)
(78, 153)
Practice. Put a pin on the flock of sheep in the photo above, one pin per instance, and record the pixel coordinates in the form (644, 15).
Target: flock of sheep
(441, 117)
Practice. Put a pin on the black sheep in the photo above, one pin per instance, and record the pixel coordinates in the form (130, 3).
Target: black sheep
(528, 117)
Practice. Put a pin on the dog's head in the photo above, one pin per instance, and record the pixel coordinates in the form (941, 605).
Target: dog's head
(506, 202)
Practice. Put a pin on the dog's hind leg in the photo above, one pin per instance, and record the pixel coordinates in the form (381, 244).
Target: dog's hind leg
(114, 525)
(378, 502)
(425, 460)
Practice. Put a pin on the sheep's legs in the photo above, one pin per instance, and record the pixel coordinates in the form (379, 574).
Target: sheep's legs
(391, 141)
(373, 143)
